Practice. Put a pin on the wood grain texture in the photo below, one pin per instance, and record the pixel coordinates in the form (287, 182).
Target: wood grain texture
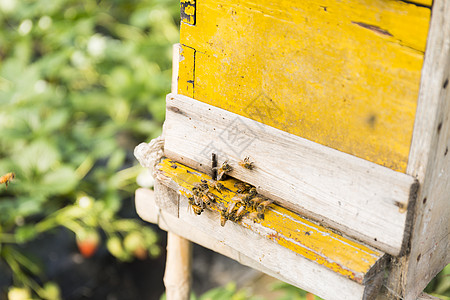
(344, 256)
(430, 163)
(264, 255)
(344, 74)
(177, 275)
(355, 196)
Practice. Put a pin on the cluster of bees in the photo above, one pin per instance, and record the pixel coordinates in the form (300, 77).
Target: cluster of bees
(245, 202)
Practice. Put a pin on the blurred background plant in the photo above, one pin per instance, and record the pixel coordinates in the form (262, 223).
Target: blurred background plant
(83, 82)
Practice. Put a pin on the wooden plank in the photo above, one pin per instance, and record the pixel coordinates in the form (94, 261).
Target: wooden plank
(358, 197)
(430, 163)
(344, 73)
(233, 241)
(344, 256)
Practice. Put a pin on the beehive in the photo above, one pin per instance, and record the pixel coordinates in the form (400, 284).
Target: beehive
(343, 108)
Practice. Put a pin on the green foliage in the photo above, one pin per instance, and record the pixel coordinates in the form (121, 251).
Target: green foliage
(81, 83)
(440, 285)
(291, 292)
(229, 292)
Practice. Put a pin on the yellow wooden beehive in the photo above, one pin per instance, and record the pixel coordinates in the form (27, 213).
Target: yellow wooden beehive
(343, 109)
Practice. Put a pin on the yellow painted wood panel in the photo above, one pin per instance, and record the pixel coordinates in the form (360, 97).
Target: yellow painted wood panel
(344, 74)
(344, 256)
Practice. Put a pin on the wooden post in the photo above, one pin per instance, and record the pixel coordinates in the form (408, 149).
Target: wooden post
(177, 277)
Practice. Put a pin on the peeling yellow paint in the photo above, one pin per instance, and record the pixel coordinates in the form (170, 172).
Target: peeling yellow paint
(288, 229)
(344, 74)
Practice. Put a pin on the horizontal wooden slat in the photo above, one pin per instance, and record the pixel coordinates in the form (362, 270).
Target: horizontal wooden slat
(248, 246)
(342, 255)
(360, 198)
(332, 286)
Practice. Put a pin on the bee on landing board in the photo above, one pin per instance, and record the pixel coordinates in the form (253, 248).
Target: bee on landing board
(239, 213)
(242, 187)
(192, 204)
(218, 186)
(262, 208)
(223, 214)
(255, 201)
(224, 168)
(7, 178)
(253, 216)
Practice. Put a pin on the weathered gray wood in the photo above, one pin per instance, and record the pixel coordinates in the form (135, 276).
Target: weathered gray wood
(166, 199)
(177, 275)
(429, 162)
(233, 240)
(362, 199)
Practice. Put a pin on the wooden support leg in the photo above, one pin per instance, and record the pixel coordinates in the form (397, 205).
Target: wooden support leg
(177, 277)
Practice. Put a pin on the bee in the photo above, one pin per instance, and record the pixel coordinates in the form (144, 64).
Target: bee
(230, 209)
(252, 192)
(253, 216)
(195, 206)
(202, 186)
(255, 201)
(205, 200)
(218, 186)
(223, 215)
(240, 198)
(7, 178)
(211, 196)
(239, 214)
(246, 163)
(197, 209)
(242, 187)
(262, 208)
(225, 168)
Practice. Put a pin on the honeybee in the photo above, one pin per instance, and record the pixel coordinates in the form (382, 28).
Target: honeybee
(255, 201)
(197, 209)
(225, 168)
(7, 178)
(240, 198)
(202, 186)
(242, 187)
(246, 163)
(230, 208)
(195, 206)
(239, 213)
(253, 216)
(211, 196)
(223, 214)
(262, 208)
(218, 186)
(205, 200)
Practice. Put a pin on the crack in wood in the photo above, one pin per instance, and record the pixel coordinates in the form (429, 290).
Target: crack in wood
(374, 28)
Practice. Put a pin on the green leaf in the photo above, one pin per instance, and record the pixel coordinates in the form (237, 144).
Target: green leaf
(116, 160)
(25, 233)
(50, 291)
(40, 156)
(60, 181)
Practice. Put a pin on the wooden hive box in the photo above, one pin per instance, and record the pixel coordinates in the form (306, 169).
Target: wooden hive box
(343, 108)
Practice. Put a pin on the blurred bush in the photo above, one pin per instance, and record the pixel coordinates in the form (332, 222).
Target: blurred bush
(81, 83)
